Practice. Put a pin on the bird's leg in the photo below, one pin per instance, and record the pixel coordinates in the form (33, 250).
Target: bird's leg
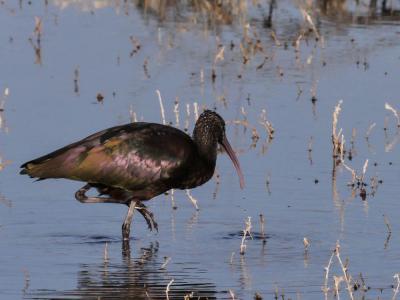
(147, 215)
(126, 226)
(80, 195)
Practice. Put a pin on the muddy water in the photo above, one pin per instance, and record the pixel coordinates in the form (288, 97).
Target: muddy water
(51, 246)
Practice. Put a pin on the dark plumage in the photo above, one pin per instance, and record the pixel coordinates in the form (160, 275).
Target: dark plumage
(135, 162)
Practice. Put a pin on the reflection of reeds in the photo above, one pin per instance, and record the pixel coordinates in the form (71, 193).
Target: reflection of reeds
(262, 224)
(173, 199)
(5, 201)
(310, 144)
(3, 125)
(389, 229)
(27, 280)
(76, 81)
(367, 134)
(105, 255)
(36, 44)
(394, 111)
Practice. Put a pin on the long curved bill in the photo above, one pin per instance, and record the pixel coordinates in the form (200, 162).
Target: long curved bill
(234, 159)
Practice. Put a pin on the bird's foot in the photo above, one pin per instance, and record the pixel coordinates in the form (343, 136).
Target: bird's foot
(148, 216)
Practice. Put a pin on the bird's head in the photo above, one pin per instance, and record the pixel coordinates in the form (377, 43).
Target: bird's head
(209, 129)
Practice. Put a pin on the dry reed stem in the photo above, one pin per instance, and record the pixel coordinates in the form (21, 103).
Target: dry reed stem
(232, 256)
(389, 107)
(364, 170)
(275, 38)
(352, 171)
(363, 285)
(167, 290)
(220, 55)
(355, 179)
(232, 294)
(347, 278)
(325, 288)
(309, 20)
(276, 292)
(166, 261)
(188, 296)
(192, 199)
(254, 137)
(396, 290)
(246, 231)
(336, 135)
(196, 110)
(268, 125)
(132, 114)
(187, 117)
(297, 41)
(244, 113)
(161, 107)
(306, 243)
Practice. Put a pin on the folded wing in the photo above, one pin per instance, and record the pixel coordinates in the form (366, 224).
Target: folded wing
(131, 156)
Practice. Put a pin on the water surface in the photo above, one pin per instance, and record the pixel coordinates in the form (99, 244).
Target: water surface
(51, 246)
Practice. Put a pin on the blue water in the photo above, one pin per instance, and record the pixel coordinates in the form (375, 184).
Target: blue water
(52, 246)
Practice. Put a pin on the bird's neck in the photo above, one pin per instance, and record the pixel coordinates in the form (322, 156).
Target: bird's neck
(206, 144)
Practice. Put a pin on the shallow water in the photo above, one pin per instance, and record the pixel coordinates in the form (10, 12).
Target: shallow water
(51, 246)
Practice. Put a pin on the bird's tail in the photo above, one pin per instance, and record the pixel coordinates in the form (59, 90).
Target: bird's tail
(38, 168)
(31, 169)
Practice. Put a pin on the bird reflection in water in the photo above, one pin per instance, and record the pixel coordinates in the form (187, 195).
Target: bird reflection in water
(134, 278)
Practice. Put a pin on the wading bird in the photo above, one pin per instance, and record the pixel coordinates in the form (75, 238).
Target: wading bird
(135, 162)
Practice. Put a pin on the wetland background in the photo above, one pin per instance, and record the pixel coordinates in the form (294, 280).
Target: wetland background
(275, 70)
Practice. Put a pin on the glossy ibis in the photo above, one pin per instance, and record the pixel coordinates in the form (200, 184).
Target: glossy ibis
(135, 162)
